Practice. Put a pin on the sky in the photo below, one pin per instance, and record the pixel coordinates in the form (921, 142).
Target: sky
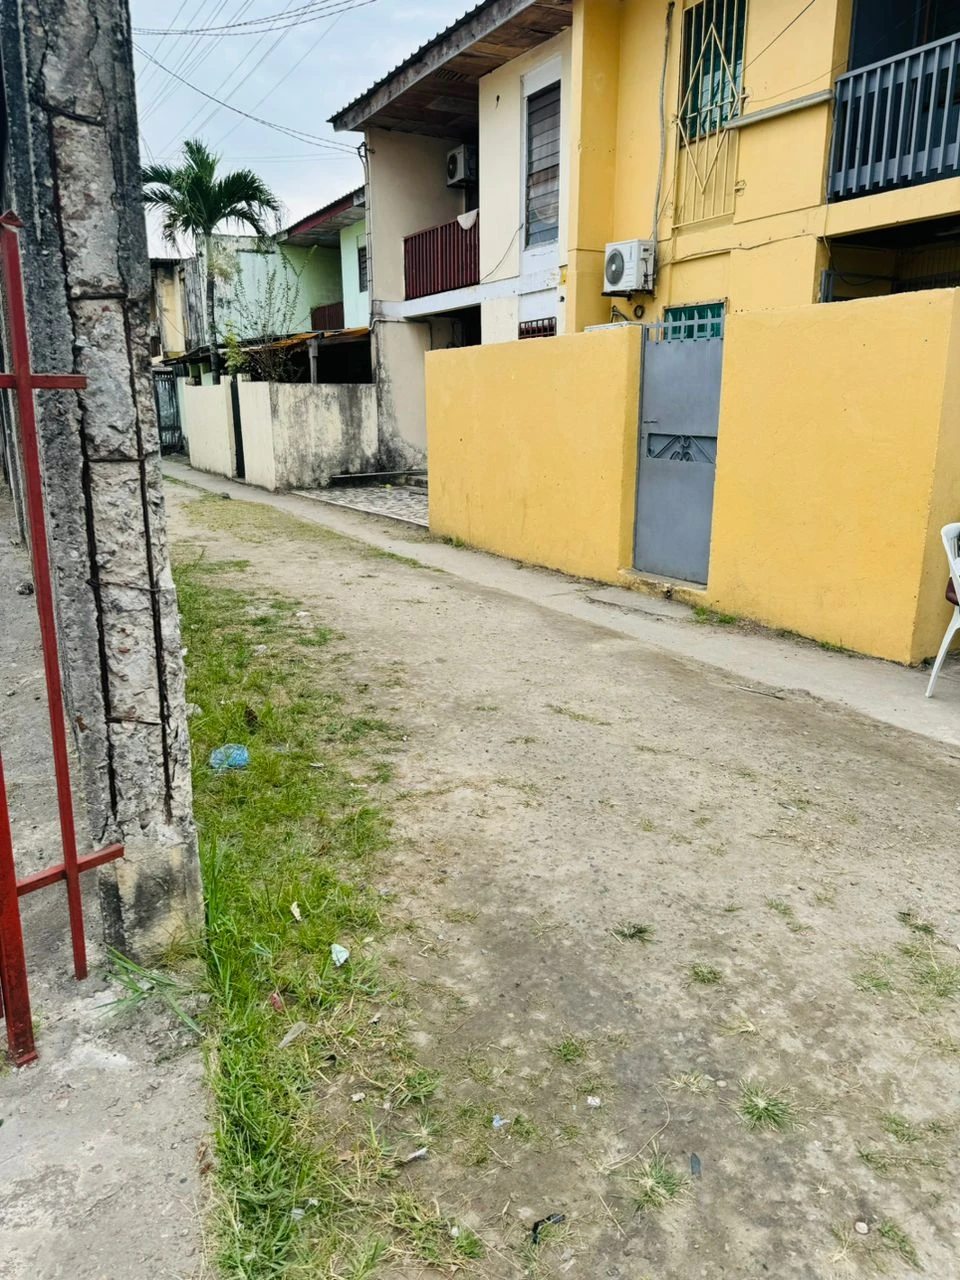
(295, 76)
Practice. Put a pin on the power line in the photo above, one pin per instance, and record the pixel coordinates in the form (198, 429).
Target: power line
(298, 134)
(794, 19)
(283, 79)
(208, 112)
(254, 26)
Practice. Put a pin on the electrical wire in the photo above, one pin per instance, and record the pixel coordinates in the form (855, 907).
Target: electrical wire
(253, 26)
(298, 135)
(191, 57)
(152, 71)
(793, 20)
(208, 113)
(283, 79)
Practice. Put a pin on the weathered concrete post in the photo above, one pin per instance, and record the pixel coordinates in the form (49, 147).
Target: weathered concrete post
(71, 171)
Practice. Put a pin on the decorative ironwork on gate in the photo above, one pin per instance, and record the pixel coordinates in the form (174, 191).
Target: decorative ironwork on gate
(24, 382)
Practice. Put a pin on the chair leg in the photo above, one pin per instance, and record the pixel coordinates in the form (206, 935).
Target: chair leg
(952, 630)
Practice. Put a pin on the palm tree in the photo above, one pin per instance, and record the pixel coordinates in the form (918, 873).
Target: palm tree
(194, 201)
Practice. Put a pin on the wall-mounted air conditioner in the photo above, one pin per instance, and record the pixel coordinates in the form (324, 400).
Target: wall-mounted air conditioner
(462, 165)
(628, 267)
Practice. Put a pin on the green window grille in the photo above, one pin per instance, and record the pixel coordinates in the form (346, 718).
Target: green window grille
(687, 324)
(713, 36)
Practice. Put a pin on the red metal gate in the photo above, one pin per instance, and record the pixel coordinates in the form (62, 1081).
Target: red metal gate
(23, 382)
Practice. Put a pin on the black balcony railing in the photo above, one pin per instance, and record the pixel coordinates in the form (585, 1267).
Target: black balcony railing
(897, 123)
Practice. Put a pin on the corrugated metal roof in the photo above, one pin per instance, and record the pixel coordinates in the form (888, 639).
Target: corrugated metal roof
(402, 66)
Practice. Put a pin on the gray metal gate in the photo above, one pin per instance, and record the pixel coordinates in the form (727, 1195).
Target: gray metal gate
(679, 415)
(168, 411)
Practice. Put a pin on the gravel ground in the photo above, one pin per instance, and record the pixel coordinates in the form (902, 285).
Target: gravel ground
(631, 880)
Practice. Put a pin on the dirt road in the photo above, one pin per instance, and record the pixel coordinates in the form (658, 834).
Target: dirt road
(694, 943)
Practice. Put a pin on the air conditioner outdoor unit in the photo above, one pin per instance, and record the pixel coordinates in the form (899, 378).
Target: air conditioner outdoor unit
(628, 267)
(462, 165)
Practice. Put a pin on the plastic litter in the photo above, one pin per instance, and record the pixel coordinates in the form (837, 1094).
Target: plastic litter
(357, 1097)
(419, 1154)
(696, 1168)
(339, 955)
(499, 1122)
(294, 1033)
(276, 999)
(593, 1100)
(295, 911)
(230, 756)
(861, 1228)
(553, 1220)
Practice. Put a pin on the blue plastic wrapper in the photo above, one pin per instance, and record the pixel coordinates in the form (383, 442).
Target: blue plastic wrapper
(230, 756)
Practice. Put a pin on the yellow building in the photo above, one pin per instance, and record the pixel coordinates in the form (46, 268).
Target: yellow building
(685, 194)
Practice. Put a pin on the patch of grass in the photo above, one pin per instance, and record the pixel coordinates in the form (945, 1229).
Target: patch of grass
(787, 914)
(580, 716)
(911, 921)
(570, 1050)
(763, 1107)
(634, 931)
(653, 1184)
(378, 553)
(429, 1236)
(286, 1199)
(702, 614)
(873, 979)
(913, 1131)
(887, 1163)
(690, 1081)
(146, 986)
(705, 974)
(897, 1241)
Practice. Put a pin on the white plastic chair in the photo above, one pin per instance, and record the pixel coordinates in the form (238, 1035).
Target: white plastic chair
(951, 541)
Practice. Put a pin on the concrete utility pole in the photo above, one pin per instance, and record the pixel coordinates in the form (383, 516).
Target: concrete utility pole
(70, 168)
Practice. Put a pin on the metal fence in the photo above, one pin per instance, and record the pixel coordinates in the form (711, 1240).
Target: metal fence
(897, 122)
(441, 258)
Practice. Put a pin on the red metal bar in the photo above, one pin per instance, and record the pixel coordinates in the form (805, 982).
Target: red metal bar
(46, 381)
(14, 994)
(39, 550)
(52, 875)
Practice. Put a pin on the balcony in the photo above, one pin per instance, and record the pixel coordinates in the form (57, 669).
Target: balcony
(329, 316)
(897, 122)
(441, 258)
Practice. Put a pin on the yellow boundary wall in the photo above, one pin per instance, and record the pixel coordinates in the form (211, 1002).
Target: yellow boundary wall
(532, 448)
(839, 460)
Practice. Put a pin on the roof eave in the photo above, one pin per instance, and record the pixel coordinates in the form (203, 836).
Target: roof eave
(473, 26)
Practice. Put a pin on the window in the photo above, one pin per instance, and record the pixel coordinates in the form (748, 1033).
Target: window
(362, 267)
(543, 166)
(712, 77)
(686, 324)
(546, 328)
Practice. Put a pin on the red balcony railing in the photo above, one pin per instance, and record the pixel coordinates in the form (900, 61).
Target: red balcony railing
(442, 258)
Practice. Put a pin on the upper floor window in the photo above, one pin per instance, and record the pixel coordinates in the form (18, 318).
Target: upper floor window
(711, 84)
(884, 28)
(543, 166)
(362, 267)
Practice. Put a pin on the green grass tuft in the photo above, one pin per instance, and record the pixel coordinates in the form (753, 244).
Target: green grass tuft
(634, 931)
(765, 1108)
(705, 974)
(653, 1184)
(570, 1050)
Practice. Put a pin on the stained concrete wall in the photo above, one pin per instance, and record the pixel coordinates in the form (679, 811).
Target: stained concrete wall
(298, 435)
(208, 428)
(71, 171)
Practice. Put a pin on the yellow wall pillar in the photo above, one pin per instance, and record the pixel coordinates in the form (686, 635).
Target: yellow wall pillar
(839, 460)
(533, 448)
(595, 88)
